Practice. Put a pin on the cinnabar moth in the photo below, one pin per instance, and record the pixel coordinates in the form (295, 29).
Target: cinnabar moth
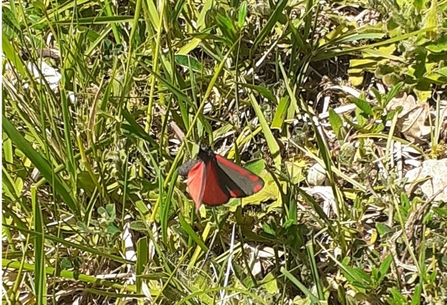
(213, 179)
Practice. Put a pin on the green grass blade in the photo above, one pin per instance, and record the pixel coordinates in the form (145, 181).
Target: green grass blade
(39, 250)
(142, 261)
(41, 164)
(274, 18)
(297, 283)
(269, 137)
(69, 275)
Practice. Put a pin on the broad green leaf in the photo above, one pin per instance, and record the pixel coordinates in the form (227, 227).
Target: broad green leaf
(281, 113)
(242, 14)
(384, 268)
(189, 62)
(336, 123)
(363, 105)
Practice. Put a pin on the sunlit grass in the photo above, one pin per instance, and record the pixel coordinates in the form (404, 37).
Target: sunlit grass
(93, 208)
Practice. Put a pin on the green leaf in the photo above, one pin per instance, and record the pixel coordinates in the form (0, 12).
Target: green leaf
(9, 187)
(111, 229)
(256, 166)
(268, 229)
(13, 56)
(362, 104)
(138, 225)
(398, 298)
(188, 229)
(227, 27)
(281, 113)
(242, 14)
(361, 120)
(102, 211)
(53, 272)
(269, 137)
(440, 211)
(274, 18)
(83, 227)
(270, 283)
(166, 207)
(336, 123)
(417, 295)
(142, 261)
(393, 92)
(358, 278)
(65, 264)
(189, 62)
(382, 228)
(262, 90)
(40, 284)
(300, 286)
(41, 164)
(384, 267)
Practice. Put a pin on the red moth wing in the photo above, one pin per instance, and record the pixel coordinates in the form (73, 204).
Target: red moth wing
(203, 185)
(196, 184)
(214, 194)
(213, 180)
(239, 181)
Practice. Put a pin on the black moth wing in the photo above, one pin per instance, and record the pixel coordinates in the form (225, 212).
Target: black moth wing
(184, 169)
(238, 182)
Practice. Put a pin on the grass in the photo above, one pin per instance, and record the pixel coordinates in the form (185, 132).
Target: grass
(94, 211)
